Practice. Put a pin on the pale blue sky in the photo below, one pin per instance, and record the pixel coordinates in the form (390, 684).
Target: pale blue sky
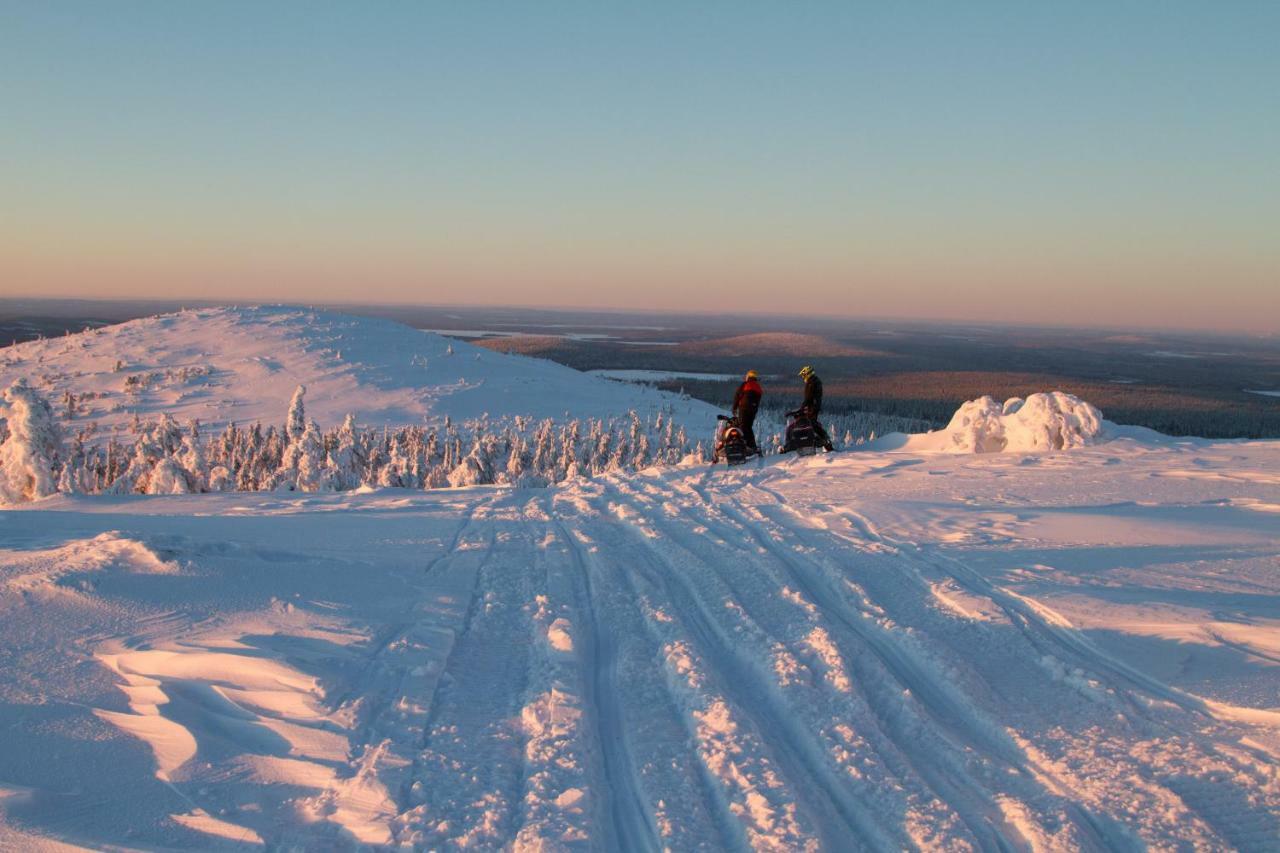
(1082, 162)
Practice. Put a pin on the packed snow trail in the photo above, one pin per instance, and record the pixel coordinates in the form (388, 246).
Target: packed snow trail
(868, 651)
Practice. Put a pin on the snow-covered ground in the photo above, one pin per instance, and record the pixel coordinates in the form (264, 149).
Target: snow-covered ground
(1031, 629)
(874, 650)
(242, 364)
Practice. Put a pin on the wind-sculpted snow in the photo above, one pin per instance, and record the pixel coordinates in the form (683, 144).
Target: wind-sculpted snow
(874, 651)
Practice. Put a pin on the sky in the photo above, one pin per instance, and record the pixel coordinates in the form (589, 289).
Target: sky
(1099, 163)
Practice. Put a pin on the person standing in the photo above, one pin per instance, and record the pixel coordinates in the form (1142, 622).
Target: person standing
(746, 402)
(812, 405)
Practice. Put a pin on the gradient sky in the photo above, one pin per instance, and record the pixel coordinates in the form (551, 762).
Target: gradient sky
(1109, 163)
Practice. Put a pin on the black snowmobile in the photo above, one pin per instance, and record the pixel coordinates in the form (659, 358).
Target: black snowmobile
(731, 444)
(803, 436)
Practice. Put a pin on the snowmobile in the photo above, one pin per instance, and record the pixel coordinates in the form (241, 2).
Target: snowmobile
(803, 437)
(731, 444)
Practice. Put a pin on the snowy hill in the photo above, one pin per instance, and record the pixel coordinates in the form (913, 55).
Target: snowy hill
(243, 364)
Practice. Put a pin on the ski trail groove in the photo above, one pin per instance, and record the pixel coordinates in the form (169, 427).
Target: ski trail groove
(858, 803)
(629, 823)
(846, 820)
(669, 769)
(469, 769)
(956, 786)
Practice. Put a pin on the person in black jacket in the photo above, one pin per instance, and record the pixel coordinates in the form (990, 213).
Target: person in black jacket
(812, 405)
(746, 402)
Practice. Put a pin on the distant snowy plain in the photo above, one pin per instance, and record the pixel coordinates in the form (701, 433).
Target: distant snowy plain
(885, 649)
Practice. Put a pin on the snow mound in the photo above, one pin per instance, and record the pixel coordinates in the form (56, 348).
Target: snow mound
(1043, 422)
(242, 364)
(1048, 421)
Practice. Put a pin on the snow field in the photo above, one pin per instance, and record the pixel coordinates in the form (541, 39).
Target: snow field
(869, 651)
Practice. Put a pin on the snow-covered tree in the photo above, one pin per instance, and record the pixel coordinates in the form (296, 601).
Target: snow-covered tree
(346, 457)
(296, 424)
(313, 471)
(168, 477)
(473, 470)
(193, 457)
(32, 447)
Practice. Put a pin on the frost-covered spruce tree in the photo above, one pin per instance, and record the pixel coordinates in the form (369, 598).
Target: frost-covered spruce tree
(295, 429)
(313, 472)
(30, 452)
(192, 457)
(346, 457)
(473, 470)
(228, 448)
(603, 451)
(247, 456)
(415, 453)
(621, 453)
(168, 434)
(543, 463)
(113, 466)
(640, 452)
(73, 480)
(296, 424)
(515, 466)
(270, 461)
(570, 441)
(432, 451)
(146, 457)
(168, 477)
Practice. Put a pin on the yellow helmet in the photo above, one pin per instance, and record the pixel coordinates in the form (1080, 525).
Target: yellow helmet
(806, 372)
(751, 374)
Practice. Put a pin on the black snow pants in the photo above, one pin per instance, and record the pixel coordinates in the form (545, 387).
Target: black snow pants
(746, 423)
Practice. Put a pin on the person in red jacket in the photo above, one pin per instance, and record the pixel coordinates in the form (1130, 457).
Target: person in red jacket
(746, 402)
